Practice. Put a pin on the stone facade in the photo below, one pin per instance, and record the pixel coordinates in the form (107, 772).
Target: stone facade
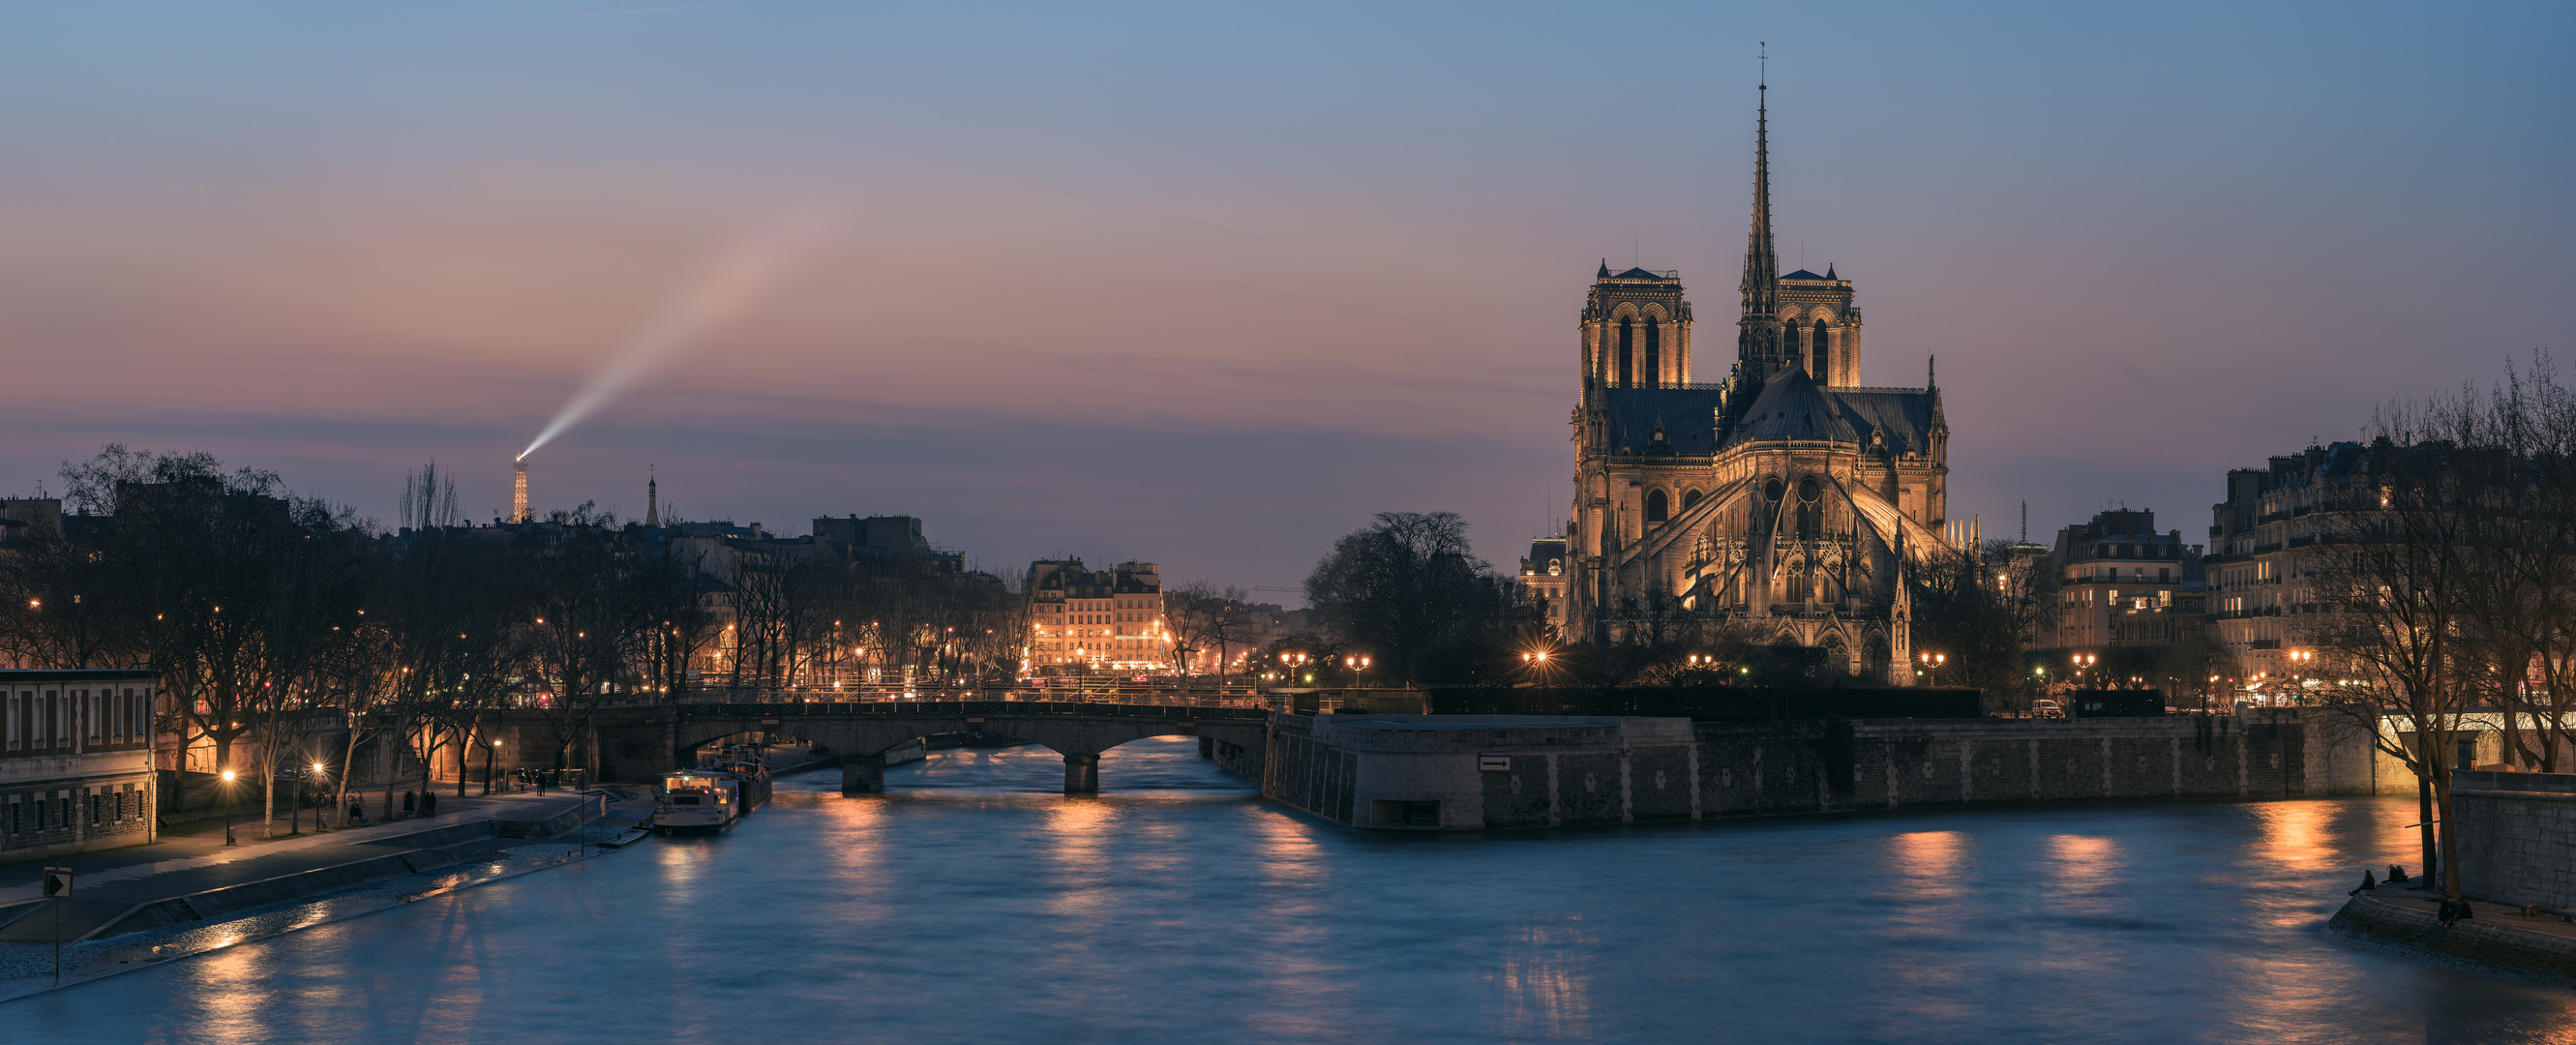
(1468, 772)
(2120, 583)
(75, 762)
(1784, 499)
(1096, 620)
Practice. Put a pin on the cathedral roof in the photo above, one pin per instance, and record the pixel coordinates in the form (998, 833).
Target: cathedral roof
(1638, 273)
(1791, 406)
(1689, 417)
(1903, 415)
(1804, 274)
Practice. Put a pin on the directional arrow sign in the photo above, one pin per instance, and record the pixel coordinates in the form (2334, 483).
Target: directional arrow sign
(58, 881)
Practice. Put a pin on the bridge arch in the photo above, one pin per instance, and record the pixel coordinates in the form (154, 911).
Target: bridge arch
(863, 733)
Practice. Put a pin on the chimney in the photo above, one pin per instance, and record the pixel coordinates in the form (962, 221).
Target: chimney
(519, 491)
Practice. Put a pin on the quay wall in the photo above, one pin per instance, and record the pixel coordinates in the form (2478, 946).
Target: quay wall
(2517, 834)
(1520, 771)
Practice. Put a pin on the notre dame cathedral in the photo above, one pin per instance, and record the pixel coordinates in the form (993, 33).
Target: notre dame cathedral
(1786, 499)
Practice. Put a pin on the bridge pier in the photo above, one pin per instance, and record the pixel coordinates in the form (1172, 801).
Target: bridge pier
(863, 774)
(1207, 747)
(1081, 774)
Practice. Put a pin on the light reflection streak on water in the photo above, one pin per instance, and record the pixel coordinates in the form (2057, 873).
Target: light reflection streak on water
(1546, 981)
(1922, 908)
(945, 913)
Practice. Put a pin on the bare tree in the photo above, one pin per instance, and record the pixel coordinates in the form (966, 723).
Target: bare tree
(2391, 578)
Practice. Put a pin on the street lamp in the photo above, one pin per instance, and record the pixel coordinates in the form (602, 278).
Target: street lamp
(2299, 661)
(228, 808)
(318, 820)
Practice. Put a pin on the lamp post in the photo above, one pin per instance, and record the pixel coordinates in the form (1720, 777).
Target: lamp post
(2299, 660)
(490, 756)
(2082, 662)
(1932, 666)
(228, 809)
(321, 822)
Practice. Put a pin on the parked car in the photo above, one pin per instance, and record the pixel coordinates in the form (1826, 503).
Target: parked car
(2046, 709)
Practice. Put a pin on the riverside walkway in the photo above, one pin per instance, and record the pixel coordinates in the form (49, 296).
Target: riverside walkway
(111, 883)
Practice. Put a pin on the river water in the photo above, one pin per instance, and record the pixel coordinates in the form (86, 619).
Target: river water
(974, 903)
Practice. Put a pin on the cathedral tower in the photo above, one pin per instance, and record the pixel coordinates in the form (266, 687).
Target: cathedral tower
(1636, 331)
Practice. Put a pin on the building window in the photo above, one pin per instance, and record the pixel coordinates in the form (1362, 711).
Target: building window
(1823, 364)
(1656, 508)
(1690, 500)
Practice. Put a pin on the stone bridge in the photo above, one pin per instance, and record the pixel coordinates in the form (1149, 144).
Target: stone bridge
(645, 741)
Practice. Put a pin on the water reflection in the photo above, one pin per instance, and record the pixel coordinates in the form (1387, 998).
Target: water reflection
(975, 902)
(1546, 981)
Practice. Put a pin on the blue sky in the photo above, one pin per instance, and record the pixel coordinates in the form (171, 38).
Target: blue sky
(1209, 284)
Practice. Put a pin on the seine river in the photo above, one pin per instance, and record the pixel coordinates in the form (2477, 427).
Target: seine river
(973, 903)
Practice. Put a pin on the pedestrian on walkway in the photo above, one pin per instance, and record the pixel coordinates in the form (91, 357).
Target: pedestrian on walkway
(357, 812)
(411, 801)
(429, 803)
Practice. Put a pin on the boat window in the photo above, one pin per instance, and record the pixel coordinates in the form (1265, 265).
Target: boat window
(684, 800)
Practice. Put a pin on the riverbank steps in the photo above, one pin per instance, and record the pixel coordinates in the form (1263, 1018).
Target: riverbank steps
(1484, 772)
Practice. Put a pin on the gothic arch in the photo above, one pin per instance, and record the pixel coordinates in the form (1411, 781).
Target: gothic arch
(1626, 310)
(1658, 506)
(1691, 499)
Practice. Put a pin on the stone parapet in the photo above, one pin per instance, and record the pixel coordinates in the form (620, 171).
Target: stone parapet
(1470, 772)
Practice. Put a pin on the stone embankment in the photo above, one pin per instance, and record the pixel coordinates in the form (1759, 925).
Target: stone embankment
(2499, 940)
(1479, 772)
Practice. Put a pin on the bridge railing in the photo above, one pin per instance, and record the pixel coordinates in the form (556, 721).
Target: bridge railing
(1209, 694)
(818, 708)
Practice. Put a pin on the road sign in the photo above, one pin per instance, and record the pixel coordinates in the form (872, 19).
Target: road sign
(58, 881)
(1493, 762)
(770, 722)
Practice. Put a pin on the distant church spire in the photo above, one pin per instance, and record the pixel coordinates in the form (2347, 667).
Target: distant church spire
(1758, 336)
(652, 499)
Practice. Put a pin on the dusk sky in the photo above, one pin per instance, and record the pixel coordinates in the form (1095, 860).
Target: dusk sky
(1209, 286)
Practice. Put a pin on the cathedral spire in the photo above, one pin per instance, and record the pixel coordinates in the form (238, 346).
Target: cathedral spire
(1758, 337)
